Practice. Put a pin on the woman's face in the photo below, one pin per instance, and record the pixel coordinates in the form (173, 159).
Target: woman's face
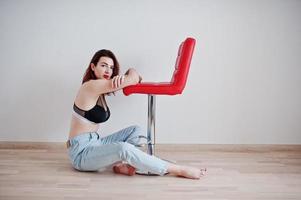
(104, 68)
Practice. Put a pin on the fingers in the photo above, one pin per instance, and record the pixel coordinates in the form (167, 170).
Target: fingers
(113, 81)
(121, 79)
(117, 81)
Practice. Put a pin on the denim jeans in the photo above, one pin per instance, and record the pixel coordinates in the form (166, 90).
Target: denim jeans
(89, 152)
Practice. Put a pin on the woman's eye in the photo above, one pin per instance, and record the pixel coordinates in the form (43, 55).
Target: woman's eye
(111, 67)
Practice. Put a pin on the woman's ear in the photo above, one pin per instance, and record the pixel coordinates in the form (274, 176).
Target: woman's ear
(92, 66)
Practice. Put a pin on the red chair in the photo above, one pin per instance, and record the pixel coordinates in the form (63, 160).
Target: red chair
(175, 86)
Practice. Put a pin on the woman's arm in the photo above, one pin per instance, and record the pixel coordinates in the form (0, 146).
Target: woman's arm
(102, 86)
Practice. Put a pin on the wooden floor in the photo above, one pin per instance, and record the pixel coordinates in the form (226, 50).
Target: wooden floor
(42, 171)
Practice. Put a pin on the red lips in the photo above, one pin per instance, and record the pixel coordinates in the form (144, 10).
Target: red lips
(106, 76)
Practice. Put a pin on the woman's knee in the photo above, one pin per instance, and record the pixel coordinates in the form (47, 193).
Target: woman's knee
(136, 132)
(135, 129)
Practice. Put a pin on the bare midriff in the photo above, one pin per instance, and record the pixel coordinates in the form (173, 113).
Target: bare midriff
(77, 127)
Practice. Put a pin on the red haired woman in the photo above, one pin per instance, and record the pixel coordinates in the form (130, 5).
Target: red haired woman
(89, 152)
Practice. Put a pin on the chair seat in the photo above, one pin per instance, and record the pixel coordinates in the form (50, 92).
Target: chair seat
(157, 88)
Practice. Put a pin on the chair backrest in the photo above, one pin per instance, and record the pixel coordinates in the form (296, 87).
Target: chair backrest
(182, 65)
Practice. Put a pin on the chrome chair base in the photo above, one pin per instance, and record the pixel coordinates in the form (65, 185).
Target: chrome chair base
(149, 146)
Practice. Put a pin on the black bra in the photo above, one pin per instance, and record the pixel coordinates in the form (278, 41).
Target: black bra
(96, 114)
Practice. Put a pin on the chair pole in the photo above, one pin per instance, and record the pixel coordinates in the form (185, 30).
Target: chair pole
(151, 124)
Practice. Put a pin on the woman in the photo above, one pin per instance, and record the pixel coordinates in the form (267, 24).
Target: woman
(87, 151)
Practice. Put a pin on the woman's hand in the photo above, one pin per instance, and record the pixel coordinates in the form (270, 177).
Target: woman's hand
(117, 81)
(134, 75)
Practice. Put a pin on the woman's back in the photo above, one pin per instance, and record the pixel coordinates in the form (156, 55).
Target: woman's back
(84, 100)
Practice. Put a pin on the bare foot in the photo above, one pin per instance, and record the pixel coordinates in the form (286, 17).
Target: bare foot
(191, 172)
(186, 171)
(124, 169)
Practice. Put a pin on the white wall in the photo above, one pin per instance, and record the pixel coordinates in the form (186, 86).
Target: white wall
(244, 82)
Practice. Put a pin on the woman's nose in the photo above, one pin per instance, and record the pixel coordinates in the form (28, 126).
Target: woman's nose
(108, 68)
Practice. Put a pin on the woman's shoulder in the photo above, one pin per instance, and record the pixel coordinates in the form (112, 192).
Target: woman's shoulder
(86, 89)
(84, 98)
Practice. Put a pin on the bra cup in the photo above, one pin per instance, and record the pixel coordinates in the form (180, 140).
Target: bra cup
(97, 114)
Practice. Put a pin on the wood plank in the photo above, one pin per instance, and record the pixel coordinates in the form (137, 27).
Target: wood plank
(42, 171)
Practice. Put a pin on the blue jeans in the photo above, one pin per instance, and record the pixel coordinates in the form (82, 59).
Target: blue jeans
(89, 152)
